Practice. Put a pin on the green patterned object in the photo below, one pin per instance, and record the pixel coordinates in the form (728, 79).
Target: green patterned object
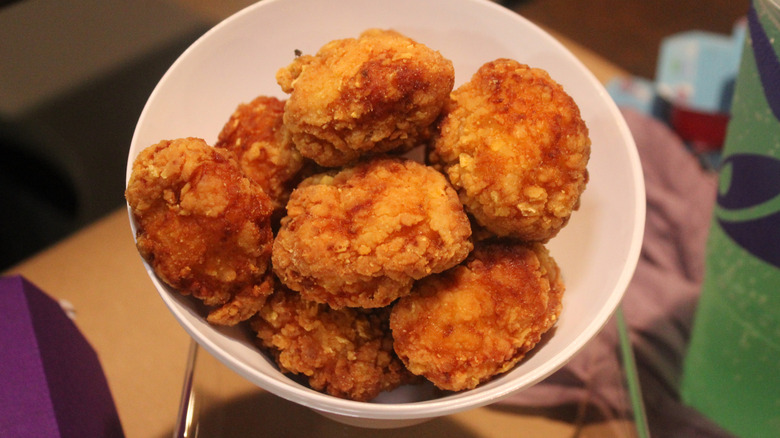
(732, 368)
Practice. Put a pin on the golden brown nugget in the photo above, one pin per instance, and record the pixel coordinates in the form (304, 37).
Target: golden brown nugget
(202, 226)
(347, 353)
(374, 94)
(360, 237)
(514, 146)
(263, 148)
(464, 326)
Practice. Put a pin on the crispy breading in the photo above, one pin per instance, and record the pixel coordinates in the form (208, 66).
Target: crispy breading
(368, 95)
(464, 326)
(202, 226)
(360, 237)
(263, 148)
(347, 353)
(513, 144)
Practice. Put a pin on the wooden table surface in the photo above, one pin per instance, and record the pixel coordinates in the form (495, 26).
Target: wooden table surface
(143, 350)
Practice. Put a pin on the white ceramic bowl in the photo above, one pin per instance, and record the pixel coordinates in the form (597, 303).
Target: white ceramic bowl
(597, 252)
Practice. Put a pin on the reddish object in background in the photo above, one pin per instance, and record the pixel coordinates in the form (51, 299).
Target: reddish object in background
(704, 131)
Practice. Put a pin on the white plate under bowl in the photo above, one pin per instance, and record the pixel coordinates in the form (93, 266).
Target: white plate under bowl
(237, 60)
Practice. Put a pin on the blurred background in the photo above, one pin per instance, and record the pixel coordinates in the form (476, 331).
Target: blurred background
(74, 77)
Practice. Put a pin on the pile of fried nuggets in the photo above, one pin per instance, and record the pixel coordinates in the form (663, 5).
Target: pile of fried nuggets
(355, 266)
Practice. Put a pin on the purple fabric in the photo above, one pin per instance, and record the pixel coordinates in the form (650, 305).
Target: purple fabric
(24, 388)
(660, 301)
(52, 382)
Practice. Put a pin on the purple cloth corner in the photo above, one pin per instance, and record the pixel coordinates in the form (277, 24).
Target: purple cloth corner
(53, 384)
(25, 391)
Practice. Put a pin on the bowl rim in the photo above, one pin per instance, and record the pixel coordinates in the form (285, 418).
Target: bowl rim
(448, 404)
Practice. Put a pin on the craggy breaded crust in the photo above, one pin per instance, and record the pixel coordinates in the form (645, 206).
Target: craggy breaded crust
(478, 319)
(514, 146)
(263, 148)
(369, 95)
(360, 237)
(347, 353)
(202, 226)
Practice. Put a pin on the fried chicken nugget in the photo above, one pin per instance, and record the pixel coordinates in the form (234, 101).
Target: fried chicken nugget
(478, 319)
(360, 237)
(377, 93)
(203, 226)
(514, 146)
(264, 150)
(347, 353)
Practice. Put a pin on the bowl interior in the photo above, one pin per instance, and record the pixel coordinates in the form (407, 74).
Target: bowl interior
(597, 252)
